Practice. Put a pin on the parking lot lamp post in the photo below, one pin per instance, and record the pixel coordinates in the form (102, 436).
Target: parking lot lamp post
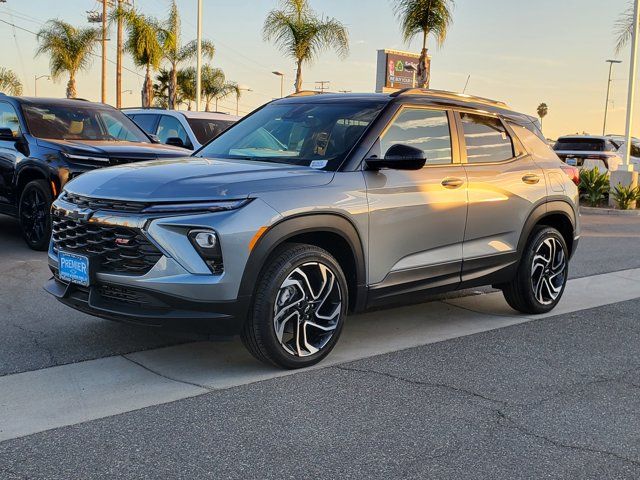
(632, 85)
(35, 83)
(281, 75)
(199, 59)
(240, 89)
(606, 105)
(625, 175)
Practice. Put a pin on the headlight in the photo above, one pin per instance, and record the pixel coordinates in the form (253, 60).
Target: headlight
(207, 245)
(86, 158)
(197, 207)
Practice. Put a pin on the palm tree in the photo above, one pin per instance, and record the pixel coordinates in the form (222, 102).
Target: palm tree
(216, 87)
(186, 91)
(299, 33)
(161, 89)
(69, 50)
(543, 110)
(624, 28)
(144, 35)
(175, 53)
(9, 82)
(426, 17)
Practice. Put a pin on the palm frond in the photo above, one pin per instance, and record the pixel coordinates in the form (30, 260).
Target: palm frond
(624, 28)
(428, 17)
(9, 82)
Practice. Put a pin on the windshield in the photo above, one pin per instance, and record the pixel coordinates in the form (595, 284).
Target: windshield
(319, 135)
(205, 129)
(81, 122)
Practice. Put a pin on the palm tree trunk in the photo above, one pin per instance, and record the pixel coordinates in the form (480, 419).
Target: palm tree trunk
(147, 89)
(298, 85)
(71, 86)
(173, 87)
(423, 69)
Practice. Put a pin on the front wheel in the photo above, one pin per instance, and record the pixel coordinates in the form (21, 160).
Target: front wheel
(299, 308)
(542, 274)
(34, 214)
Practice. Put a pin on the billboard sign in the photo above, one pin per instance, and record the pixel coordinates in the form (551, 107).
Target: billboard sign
(392, 73)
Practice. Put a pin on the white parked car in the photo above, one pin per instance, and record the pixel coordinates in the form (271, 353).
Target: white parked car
(589, 151)
(181, 128)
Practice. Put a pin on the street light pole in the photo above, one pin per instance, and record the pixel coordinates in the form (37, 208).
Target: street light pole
(281, 75)
(104, 50)
(632, 85)
(199, 61)
(35, 83)
(606, 105)
(238, 99)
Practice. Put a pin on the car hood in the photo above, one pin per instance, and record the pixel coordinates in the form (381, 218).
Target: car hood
(194, 179)
(130, 150)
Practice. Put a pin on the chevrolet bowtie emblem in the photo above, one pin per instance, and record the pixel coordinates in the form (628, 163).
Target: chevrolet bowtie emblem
(83, 215)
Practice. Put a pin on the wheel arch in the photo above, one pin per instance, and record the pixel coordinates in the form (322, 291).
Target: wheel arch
(31, 172)
(557, 214)
(332, 232)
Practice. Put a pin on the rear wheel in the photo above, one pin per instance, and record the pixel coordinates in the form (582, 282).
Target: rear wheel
(34, 214)
(542, 274)
(299, 308)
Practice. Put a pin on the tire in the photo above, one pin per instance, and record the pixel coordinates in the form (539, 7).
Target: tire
(293, 342)
(539, 282)
(34, 214)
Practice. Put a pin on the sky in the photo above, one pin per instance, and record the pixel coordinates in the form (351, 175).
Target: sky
(517, 51)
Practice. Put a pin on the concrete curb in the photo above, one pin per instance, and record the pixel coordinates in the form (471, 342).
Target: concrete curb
(609, 211)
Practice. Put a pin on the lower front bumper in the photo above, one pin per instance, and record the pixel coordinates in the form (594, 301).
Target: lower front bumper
(138, 306)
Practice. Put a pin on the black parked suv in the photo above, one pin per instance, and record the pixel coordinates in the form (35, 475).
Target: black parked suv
(44, 143)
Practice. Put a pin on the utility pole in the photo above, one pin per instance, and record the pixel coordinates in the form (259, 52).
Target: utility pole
(199, 61)
(606, 105)
(119, 57)
(105, 4)
(322, 85)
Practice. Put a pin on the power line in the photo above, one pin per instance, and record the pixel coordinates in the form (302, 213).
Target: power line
(91, 53)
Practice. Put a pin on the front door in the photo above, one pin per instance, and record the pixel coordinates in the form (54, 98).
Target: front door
(504, 186)
(9, 155)
(417, 218)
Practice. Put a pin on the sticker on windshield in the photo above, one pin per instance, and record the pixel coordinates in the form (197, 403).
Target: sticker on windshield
(318, 164)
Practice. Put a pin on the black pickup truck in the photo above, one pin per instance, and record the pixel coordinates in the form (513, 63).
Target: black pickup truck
(44, 143)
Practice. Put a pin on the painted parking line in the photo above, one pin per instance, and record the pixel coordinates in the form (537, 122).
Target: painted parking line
(32, 402)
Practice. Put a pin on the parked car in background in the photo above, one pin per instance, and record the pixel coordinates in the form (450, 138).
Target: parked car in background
(620, 141)
(181, 128)
(44, 143)
(316, 206)
(588, 151)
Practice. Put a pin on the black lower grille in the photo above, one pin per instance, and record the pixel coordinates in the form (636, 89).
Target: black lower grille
(126, 295)
(115, 249)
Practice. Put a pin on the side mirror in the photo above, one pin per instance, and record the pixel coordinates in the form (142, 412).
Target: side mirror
(399, 157)
(175, 142)
(6, 135)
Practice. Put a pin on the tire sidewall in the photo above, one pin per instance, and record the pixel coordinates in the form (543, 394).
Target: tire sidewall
(263, 310)
(42, 187)
(525, 277)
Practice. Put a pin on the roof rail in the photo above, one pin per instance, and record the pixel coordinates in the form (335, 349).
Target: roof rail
(446, 94)
(305, 93)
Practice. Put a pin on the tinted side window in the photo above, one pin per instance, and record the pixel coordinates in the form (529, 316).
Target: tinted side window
(170, 127)
(421, 128)
(487, 139)
(9, 118)
(146, 122)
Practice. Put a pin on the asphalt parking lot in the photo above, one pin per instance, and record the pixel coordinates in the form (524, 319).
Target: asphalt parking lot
(497, 397)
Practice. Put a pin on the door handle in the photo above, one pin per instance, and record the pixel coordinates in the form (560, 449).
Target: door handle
(531, 178)
(452, 182)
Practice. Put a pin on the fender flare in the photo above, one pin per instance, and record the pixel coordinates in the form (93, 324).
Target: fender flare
(27, 167)
(289, 227)
(542, 211)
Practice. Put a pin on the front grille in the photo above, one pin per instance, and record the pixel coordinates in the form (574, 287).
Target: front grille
(114, 249)
(126, 295)
(103, 204)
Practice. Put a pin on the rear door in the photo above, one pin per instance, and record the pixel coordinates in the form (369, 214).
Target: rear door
(504, 186)
(417, 218)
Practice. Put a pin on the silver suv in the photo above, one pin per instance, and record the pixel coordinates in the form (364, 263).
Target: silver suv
(314, 207)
